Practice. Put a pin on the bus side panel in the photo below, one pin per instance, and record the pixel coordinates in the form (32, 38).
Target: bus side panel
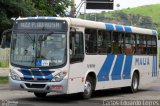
(147, 67)
(108, 69)
(111, 73)
(79, 71)
(95, 63)
(104, 67)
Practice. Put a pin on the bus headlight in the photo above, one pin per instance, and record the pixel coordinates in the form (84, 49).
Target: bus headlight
(15, 76)
(59, 77)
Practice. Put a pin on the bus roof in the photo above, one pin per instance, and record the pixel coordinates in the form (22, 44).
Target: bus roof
(93, 24)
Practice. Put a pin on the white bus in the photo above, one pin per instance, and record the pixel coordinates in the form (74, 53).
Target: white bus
(69, 55)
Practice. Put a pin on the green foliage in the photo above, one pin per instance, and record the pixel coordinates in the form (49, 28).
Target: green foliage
(4, 64)
(23, 8)
(3, 80)
(149, 10)
(50, 7)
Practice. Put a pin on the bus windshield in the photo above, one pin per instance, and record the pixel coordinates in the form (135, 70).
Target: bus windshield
(32, 49)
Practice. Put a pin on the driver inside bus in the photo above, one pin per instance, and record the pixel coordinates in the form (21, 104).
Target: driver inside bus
(47, 49)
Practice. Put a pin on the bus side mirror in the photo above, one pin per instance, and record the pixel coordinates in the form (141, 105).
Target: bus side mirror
(5, 36)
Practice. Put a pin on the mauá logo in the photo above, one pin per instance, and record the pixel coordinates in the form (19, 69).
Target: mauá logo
(142, 61)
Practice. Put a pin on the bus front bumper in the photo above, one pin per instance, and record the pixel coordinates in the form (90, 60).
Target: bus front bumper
(55, 87)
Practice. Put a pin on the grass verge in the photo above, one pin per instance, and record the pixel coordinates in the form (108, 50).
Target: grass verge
(4, 80)
(4, 64)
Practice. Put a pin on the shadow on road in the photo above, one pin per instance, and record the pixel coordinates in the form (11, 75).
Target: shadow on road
(73, 98)
(114, 92)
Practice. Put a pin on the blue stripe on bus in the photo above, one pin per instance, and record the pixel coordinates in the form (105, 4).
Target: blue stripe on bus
(154, 67)
(127, 29)
(116, 73)
(103, 74)
(37, 74)
(38, 77)
(24, 69)
(47, 74)
(109, 26)
(119, 27)
(50, 77)
(127, 67)
(27, 76)
(26, 72)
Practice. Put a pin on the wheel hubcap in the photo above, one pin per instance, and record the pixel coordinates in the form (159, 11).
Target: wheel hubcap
(87, 88)
(135, 83)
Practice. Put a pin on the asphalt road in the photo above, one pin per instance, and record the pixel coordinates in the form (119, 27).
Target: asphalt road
(100, 98)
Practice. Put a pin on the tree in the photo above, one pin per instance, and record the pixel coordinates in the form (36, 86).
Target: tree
(16, 8)
(13, 8)
(51, 7)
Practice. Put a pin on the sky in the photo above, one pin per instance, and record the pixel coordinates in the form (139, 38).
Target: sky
(124, 4)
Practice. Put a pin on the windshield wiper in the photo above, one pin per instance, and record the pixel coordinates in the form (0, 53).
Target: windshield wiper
(28, 37)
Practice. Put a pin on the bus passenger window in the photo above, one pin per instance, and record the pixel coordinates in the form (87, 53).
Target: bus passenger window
(76, 47)
(117, 43)
(141, 44)
(99, 40)
(129, 43)
(91, 41)
(154, 45)
(149, 44)
(106, 43)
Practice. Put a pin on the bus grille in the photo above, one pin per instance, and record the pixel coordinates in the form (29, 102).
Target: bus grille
(35, 85)
(35, 80)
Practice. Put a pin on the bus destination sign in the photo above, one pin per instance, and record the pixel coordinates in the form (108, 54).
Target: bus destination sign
(55, 25)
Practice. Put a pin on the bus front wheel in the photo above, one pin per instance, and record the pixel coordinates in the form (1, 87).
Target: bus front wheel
(40, 95)
(88, 88)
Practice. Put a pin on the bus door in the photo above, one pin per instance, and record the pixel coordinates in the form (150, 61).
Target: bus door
(76, 72)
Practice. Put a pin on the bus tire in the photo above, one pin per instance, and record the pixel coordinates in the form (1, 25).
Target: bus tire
(40, 95)
(88, 88)
(134, 85)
